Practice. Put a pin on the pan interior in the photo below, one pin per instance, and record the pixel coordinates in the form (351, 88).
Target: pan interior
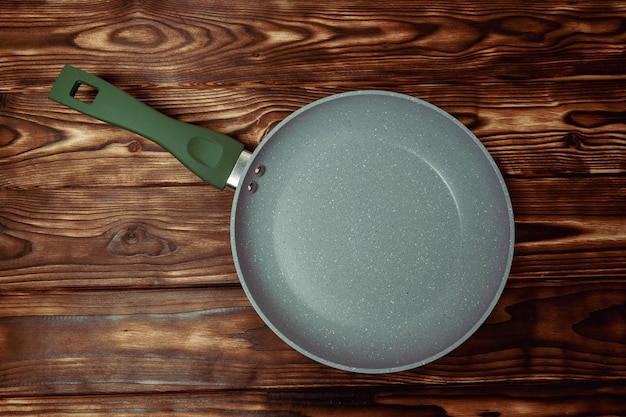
(379, 235)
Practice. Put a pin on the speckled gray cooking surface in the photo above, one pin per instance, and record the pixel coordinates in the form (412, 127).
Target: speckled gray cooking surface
(379, 235)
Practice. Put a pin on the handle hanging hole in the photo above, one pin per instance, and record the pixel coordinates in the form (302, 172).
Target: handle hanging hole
(84, 92)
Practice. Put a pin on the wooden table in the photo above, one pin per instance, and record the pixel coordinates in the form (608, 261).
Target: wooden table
(118, 294)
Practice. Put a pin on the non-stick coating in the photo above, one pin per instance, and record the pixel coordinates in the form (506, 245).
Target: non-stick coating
(379, 235)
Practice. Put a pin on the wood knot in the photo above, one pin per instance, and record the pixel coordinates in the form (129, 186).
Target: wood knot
(575, 140)
(135, 146)
(604, 324)
(8, 135)
(530, 29)
(139, 35)
(130, 237)
(470, 120)
(137, 241)
(593, 119)
(12, 247)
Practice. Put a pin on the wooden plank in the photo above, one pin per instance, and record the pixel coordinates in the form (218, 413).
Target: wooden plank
(561, 130)
(555, 247)
(552, 400)
(53, 158)
(146, 237)
(568, 197)
(133, 237)
(117, 291)
(326, 42)
(196, 340)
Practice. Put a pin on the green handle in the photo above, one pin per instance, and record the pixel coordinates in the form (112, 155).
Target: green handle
(210, 155)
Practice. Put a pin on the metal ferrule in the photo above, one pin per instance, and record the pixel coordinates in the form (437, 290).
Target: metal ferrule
(238, 170)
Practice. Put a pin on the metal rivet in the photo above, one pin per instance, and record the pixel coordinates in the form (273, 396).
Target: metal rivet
(260, 170)
(252, 186)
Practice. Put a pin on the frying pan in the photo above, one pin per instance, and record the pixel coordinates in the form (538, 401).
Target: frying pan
(370, 230)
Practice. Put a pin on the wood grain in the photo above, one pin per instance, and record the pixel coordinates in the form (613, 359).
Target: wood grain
(132, 236)
(490, 400)
(118, 295)
(556, 168)
(104, 342)
(531, 129)
(326, 42)
(178, 236)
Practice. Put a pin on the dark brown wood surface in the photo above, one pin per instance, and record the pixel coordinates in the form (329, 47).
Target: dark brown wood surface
(118, 294)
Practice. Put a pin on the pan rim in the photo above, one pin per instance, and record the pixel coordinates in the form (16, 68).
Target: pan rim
(406, 366)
